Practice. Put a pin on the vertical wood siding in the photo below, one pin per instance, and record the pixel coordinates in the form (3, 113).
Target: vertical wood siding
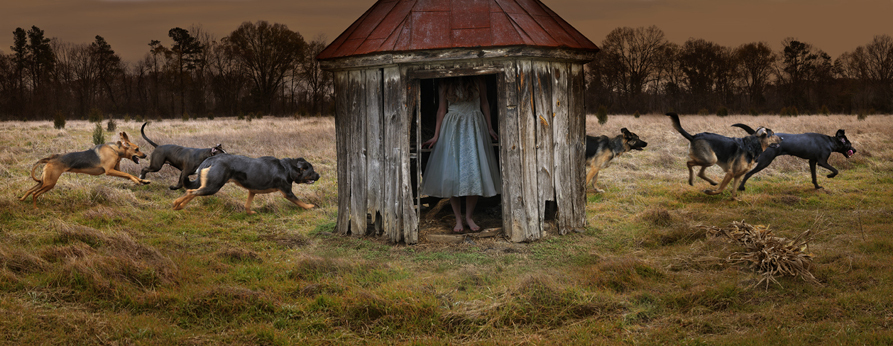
(541, 127)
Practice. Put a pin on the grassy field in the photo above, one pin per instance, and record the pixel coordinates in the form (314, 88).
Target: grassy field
(103, 261)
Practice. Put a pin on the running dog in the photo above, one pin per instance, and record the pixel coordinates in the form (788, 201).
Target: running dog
(257, 175)
(602, 149)
(734, 155)
(182, 158)
(102, 159)
(814, 147)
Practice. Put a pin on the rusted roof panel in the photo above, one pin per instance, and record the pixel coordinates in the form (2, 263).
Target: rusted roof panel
(408, 25)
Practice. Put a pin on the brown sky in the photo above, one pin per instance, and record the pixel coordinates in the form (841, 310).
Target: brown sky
(835, 26)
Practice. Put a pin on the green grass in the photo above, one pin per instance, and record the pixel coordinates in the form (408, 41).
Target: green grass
(103, 261)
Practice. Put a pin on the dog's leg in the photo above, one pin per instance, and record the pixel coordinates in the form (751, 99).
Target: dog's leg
(812, 173)
(116, 173)
(181, 202)
(762, 162)
(248, 203)
(824, 163)
(593, 170)
(294, 199)
(722, 185)
(595, 183)
(51, 174)
(691, 173)
(184, 177)
(704, 176)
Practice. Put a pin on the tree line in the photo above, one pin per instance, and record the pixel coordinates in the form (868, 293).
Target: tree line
(259, 68)
(639, 71)
(264, 68)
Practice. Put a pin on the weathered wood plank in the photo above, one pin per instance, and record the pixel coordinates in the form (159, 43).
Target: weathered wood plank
(446, 56)
(357, 150)
(527, 142)
(342, 135)
(544, 137)
(392, 212)
(513, 216)
(374, 135)
(564, 180)
(577, 136)
(409, 100)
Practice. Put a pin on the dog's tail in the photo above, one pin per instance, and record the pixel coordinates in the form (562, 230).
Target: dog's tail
(38, 163)
(678, 126)
(147, 138)
(746, 128)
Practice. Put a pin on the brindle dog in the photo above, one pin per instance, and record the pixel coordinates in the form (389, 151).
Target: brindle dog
(182, 158)
(602, 149)
(102, 159)
(734, 155)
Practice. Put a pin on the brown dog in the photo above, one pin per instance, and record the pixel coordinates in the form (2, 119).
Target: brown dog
(102, 159)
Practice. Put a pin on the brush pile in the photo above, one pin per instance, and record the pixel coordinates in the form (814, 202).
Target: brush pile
(766, 254)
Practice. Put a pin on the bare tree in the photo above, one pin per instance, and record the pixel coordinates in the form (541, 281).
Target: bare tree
(631, 56)
(755, 62)
(268, 52)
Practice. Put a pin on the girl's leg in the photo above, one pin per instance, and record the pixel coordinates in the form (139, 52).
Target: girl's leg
(470, 202)
(456, 203)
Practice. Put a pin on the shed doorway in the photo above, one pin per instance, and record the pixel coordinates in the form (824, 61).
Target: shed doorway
(435, 214)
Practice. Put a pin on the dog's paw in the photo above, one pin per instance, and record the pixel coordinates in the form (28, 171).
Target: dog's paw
(712, 192)
(145, 182)
(832, 175)
(173, 187)
(597, 190)
(741, 188)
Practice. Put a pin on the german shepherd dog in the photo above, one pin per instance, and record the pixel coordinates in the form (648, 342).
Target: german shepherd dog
(814, 147)
(734, 155)
(261, 175)
(602, 149)
(182, 158)
(102, 159)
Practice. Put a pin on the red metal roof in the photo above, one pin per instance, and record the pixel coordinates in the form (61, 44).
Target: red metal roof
(407, 25)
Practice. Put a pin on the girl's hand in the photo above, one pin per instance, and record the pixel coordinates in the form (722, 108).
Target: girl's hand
(430, 143)
(494, 135)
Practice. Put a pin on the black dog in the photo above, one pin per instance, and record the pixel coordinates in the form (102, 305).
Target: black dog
(602, 149)
(261, 175)
(182, 158)
(734, 155)
(814, 147)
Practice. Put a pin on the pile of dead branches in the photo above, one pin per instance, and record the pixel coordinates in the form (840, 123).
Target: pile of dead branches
(766, 254)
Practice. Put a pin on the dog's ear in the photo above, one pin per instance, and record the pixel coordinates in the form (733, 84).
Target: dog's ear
(625, 132)
(124, 136)
(840, 133)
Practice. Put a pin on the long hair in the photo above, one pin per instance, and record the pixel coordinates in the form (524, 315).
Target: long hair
(460, 88)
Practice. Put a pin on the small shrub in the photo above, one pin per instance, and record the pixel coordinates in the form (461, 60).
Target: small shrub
(602, 115)
(241, 116)
(722, 111)
(98, 136)
(754, 112)
(127, 117)
(185, 116)
(636, 114)
(824, 110)
(59, 120)
(111, 126)
(95, 115)
(703, 111)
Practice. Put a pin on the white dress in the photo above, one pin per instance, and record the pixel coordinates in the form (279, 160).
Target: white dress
(462, 162)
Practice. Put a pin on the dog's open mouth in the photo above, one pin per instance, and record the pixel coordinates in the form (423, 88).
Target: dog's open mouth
(850, 153)
(135, 159)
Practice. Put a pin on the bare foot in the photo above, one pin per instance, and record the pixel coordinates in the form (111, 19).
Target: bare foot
(458, 227)
(474, 227)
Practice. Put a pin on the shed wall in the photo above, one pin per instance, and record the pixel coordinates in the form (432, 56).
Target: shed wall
(542, 135)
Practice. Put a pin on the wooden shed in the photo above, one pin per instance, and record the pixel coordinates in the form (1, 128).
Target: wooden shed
(385, 65)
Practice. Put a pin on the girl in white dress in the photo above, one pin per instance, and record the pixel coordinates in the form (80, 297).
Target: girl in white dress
(462, 162)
